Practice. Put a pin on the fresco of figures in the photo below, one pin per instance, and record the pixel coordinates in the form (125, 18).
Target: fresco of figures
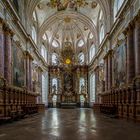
(62, 5)
(18, 66)
(120, 65)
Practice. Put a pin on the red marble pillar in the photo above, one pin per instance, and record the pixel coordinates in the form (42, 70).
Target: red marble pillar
(8, 55)
(27, 72)
(29, 60)
(1, 49)
(106, 73)
(137, 46)
(130, 55)
(30, 74)
(109, 70)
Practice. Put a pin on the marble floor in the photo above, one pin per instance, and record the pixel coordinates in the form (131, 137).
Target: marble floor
(70, 124)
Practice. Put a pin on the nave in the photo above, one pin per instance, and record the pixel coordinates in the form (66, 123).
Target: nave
(70, 124)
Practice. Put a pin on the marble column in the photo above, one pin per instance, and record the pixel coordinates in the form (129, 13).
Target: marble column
(106, 73)
(40, 77)
(8, 55)
(30, 74)
(137, 46)
(130, 55)
(27, 72)
(109, 70)
(1, 49)
(29, 61)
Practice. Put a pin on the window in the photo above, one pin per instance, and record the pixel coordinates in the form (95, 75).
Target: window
(91, 52)
(101, 33)
(81, 58)
(80, 43)
(92, 88)
(100, 16)
(55, 44)
(34, 34)
(34, 16)
(81, 84)
(44, 37)
(54, 85)
(54, 59)
(117, 6)
(45, 88)
(90, 36)
(44, 52)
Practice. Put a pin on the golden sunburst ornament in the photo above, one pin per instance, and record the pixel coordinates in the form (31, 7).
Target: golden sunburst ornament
(68, 61)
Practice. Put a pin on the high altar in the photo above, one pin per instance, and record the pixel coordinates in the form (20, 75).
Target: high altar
(68, 80)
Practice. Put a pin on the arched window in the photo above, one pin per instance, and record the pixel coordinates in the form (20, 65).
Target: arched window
(102, 33)
(81, 58)
(45, 88)
(90, 36)
(80, 43)
(117, 6)
(91, 52)
(81, 84)
(55, 44)
(44, 52)
(44, 37)
(100, 16)
(54, 59)
(34, 16)
(34, 37)
(92, 88)
(54, 85)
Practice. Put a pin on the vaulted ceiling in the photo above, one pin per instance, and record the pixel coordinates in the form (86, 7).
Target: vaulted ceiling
(69, 20)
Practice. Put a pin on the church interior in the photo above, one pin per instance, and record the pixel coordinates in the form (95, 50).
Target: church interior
(69, 69)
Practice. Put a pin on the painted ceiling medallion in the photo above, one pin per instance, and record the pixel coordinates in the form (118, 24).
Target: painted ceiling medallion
(67, 19)
(67, 4)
